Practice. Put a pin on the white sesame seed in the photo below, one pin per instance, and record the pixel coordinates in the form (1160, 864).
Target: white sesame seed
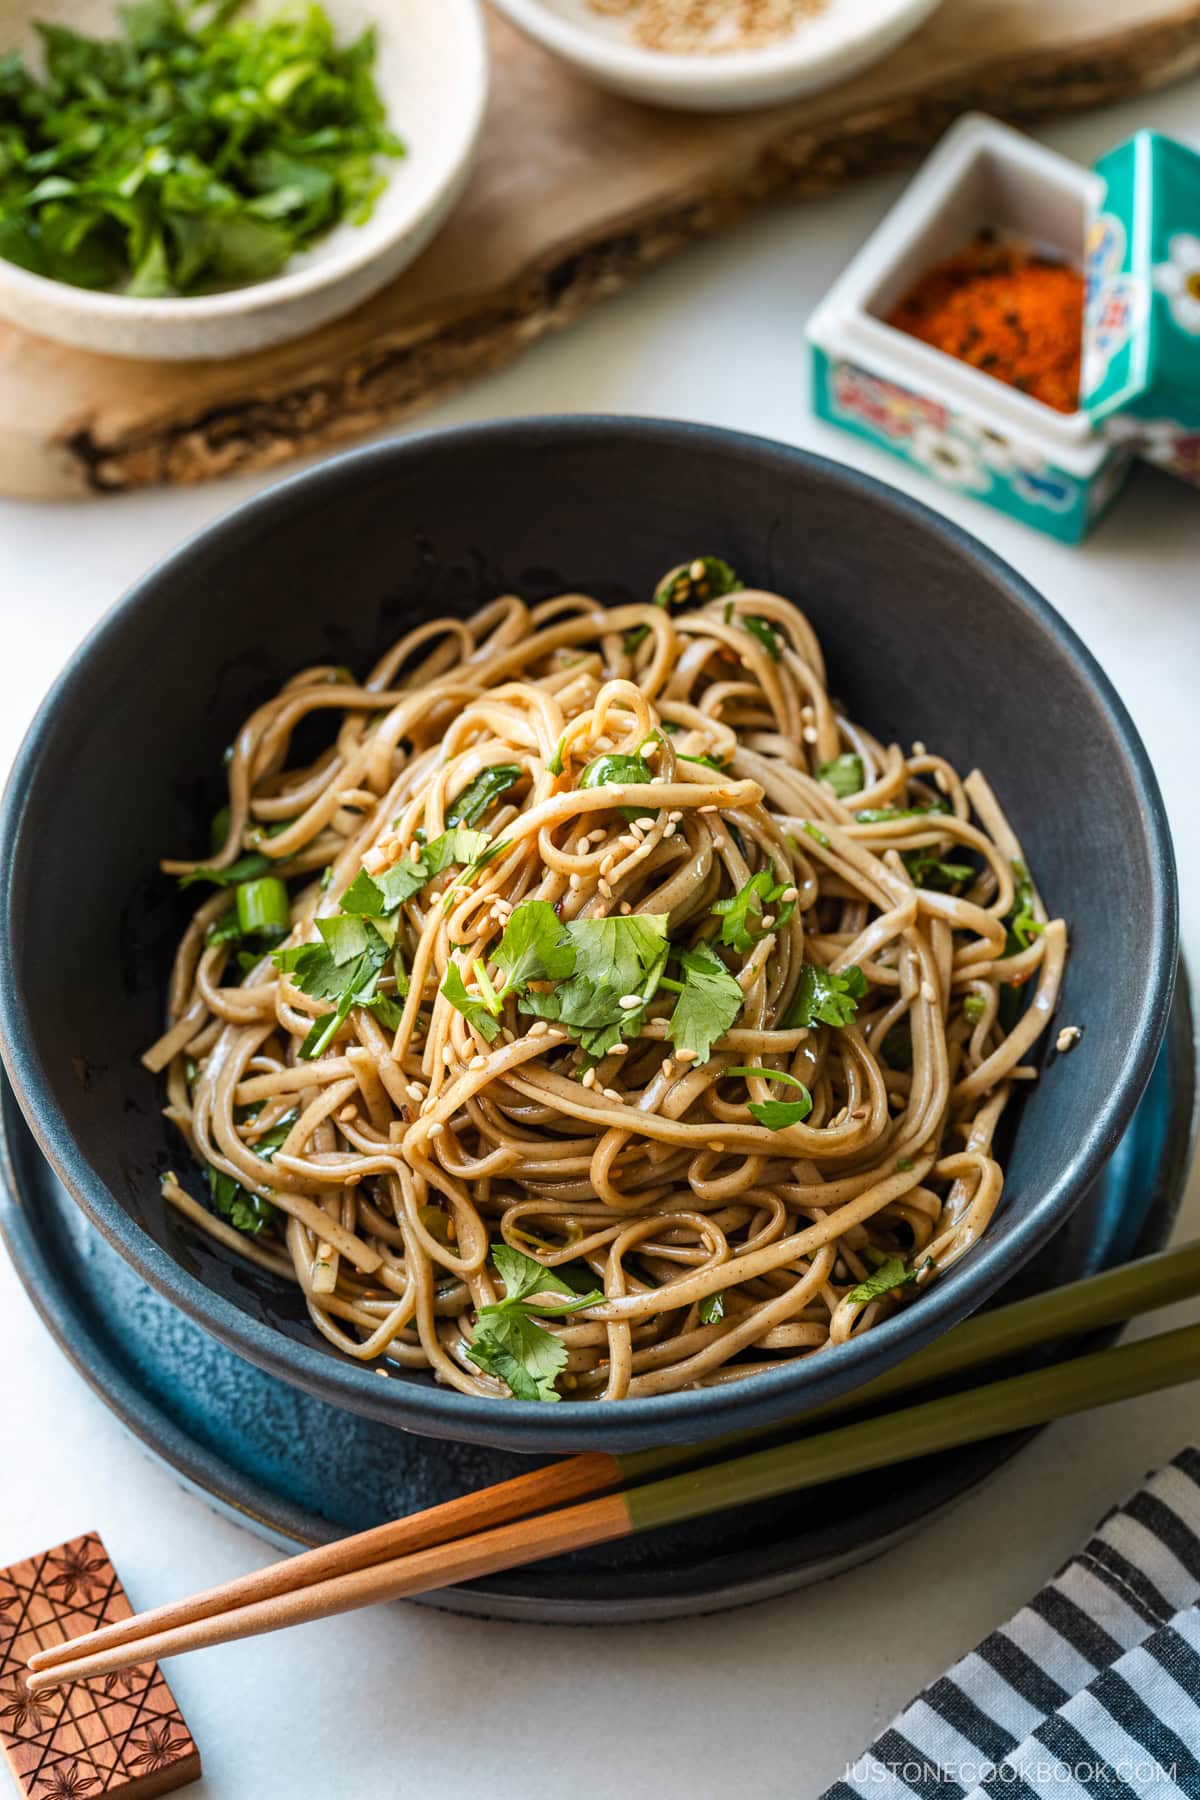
(716, 1144)
(669, 832)
(605, 888)
(668, 1069)
(347, 1113)
(637, 831)
(626, 909)
(928, 993)
(673, 818)
(809, 734)
(448, 1055)
(707, 809)
(685, 1056)
(768, 921)
(414, 1092)
(436, 1129)
(789, 894)
(577, 881)
(588, 1078)
(629, 1001)
(619, 1050)
(611, 1094)
(539, 1029)
(658, 781)
(1067, 1038)
(478, 1062)
(918, 748)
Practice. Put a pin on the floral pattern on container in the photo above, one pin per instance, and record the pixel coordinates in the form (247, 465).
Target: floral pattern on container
(958, 451)
(1169, 444)
(1179, 279)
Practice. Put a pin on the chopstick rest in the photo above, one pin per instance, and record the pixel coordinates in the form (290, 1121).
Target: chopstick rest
(120, 1734)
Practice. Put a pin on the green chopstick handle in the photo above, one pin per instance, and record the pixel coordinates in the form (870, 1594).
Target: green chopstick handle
(1014, 1404)
(1087, 1305)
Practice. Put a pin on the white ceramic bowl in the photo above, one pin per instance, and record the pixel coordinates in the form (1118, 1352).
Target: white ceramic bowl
(432, 71)
(823, 49)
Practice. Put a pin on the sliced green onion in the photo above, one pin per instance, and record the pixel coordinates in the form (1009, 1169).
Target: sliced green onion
(263, 908)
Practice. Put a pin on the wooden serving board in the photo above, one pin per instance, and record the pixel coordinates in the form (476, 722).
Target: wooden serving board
(575, 193)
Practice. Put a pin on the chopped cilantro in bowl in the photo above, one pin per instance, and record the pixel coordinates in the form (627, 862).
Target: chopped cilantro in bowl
(197, 148)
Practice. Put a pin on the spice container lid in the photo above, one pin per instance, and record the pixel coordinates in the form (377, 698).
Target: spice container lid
(1141, 334)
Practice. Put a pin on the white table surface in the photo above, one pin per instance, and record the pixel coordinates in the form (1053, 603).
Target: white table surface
(769, 1701)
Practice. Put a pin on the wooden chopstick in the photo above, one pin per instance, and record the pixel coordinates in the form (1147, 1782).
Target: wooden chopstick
(1014, 1404)
(1083, 1305)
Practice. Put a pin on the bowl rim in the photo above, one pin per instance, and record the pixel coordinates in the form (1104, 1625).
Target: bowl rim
(690, 1414)
(314, 277)
(587, 47)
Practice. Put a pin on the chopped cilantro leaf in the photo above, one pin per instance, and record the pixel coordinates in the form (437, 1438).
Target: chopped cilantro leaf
(345, 967)
(704, 578)
(533, 948)
(735, 913)
(844, 774)
(928, 870)
(251, 1213)
(194, 150)
(614, 958)
(605, 771)
(826, 997)
(777, 1115)
(477, 1012)
(1023, 924)
(711, 1309)
(246, 868)
(710, 1001)
(764, 631)
(883, 815)
(507, 1341)
(478, 795)
(889, 1276)
(973, 1008)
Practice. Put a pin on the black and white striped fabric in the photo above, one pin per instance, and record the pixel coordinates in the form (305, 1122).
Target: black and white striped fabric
(1092, 1690)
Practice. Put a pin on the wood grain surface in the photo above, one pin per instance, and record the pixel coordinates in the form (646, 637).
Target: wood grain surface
(576, 192)
(123, 1735)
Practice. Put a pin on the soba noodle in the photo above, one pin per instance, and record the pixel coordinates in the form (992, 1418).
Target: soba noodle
(664, 798)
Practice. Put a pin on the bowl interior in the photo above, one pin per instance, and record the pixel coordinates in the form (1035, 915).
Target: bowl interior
(926, 635)
(430, 73)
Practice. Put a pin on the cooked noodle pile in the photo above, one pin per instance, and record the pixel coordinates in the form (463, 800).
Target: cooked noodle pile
(642, 1020)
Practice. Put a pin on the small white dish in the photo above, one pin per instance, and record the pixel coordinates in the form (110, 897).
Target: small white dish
(826, 48)
(432, 72)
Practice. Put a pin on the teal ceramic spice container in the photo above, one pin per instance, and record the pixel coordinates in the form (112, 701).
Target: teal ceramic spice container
(1141, 362)
(1126, 225)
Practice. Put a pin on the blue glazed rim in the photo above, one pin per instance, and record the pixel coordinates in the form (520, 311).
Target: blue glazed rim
(691, 1415)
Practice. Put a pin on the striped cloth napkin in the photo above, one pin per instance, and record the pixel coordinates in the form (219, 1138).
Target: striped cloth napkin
(1092, 1690)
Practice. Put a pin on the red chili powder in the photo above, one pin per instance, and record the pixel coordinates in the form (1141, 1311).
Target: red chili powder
(1006, 310)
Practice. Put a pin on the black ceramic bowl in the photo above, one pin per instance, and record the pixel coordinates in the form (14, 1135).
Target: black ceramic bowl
(927, 636)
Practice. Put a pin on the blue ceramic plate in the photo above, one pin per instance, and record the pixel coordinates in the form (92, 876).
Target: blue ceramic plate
(244, 1439)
